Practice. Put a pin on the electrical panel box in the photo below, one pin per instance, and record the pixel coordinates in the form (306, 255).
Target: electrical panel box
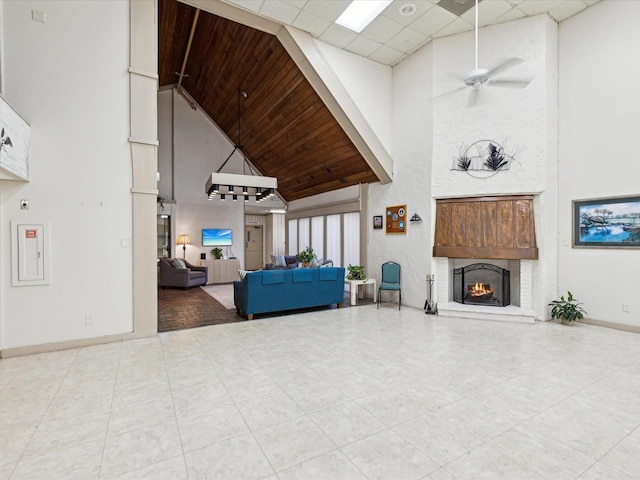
(30, 255)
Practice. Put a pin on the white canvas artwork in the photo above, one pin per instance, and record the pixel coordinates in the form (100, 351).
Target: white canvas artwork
(14, 144)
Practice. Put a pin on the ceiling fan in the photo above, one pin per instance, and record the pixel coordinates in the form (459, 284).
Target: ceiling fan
(479, 77)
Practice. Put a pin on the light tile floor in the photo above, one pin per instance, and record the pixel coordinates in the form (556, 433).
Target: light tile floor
(355, 393)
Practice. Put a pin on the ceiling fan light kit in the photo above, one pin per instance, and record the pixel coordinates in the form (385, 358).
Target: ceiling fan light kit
(479, 77)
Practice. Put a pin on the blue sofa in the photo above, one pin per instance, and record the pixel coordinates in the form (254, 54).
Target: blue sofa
(279, 290)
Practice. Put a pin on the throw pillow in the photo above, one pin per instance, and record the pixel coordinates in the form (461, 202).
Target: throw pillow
(278, 261)
(179, 263)
(242, 274)
(314, 263)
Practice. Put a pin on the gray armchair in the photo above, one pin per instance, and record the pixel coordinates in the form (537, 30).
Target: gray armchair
(171, 276)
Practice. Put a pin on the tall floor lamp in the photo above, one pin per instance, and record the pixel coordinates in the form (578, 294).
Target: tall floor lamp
(184, 240)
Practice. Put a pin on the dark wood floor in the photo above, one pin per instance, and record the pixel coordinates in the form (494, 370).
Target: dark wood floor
(179, 309)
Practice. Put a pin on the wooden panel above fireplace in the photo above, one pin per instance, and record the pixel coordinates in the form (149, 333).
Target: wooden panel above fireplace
(486, 227)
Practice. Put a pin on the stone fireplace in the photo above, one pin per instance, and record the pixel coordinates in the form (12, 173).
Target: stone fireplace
(486, 240)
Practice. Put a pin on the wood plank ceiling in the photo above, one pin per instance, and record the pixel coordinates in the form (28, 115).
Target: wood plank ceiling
(286, 129)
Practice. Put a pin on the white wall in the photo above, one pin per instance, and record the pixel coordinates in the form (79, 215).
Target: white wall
(199, 149)
(412, 145)
(68, 78)
(369, 85)
(428, 131)
(599, 105)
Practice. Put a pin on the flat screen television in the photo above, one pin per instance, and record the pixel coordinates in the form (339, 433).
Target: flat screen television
(217, 237)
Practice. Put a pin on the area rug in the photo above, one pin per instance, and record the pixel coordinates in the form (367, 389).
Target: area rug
(222, 293)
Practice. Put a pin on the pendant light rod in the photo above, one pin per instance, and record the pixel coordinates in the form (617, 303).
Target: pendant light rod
(237, 146)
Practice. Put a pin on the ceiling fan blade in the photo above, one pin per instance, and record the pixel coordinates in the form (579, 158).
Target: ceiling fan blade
(474, 94)
(450, 92)
(509, 83)
(504, 66)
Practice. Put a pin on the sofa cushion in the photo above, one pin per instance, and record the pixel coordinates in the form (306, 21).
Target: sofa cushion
(178, 263)
(272, 276)
(197, 274)
(302, 275)
(291, 260)
(328, 274)
(278, 261)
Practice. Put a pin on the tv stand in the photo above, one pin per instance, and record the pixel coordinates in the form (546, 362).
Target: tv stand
(222, 271)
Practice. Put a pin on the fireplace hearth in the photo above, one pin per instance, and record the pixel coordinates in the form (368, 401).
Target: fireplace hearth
(482, 284)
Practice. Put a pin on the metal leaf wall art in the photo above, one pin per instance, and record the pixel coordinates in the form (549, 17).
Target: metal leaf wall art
(486, 156)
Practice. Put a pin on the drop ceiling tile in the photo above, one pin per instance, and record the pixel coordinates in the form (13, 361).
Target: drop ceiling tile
(309, 23)
(329, 11)
(537, 7)
(363, 46)
(590, 3)
(338, 36)
(407, 41)
(280, 11)
(513, 14)
(393, 11)
(487, 12)
(253, 5)
(455, 27)
(566, 9)
(387, 56)
(296, 3)
(515, 2)
(381, 29)
(433, 20)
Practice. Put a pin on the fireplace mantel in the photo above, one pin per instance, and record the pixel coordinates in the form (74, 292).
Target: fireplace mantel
(486, 227)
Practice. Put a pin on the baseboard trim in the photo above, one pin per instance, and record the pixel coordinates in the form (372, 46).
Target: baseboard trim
(615, 326)
(68, 344)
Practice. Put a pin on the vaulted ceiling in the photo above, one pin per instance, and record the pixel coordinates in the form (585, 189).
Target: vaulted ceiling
(286, 129)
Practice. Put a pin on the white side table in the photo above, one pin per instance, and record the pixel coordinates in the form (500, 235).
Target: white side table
(354, 284)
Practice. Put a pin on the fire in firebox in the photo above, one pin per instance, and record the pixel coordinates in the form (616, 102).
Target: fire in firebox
(481, 284)
(479, 291)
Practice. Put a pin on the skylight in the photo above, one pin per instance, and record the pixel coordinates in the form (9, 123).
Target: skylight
(361, 13)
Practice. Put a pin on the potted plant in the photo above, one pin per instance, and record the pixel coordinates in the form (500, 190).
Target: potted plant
(567, 311)
(217, 253)
(356, 272)
(306, 256)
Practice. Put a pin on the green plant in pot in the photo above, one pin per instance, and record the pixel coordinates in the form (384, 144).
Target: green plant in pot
(356, 272)
(306, 255)
(567, 310)
(217, 253)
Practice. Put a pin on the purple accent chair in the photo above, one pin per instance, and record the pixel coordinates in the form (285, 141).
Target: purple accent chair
(171, 276)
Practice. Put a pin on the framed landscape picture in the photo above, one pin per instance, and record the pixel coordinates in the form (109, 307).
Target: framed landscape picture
(607, 222)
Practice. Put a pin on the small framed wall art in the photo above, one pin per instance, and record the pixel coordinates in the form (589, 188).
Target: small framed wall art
(377, 221)
(607, 222)
(396, 219)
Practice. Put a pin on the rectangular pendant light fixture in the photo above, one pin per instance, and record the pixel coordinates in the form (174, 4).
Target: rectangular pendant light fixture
(245, 186)
(361, 13)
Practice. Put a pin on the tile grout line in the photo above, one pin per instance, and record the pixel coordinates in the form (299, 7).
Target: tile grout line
(106, 433)
(45, 412)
